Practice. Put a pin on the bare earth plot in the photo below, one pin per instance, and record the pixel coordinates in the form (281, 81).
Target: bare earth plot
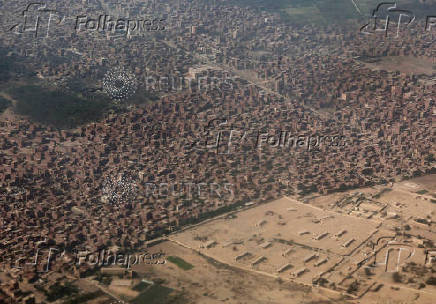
(210, 282)
(351, 243)
(404, 64)
(284, 238)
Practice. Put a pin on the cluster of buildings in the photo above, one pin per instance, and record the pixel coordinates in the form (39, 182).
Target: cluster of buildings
(52, 181)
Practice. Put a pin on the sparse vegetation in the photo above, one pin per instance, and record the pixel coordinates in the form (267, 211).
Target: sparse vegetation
(397, 277)
(84, 298)
(4, 104)
(141, 286)
(57, 108)
(368, 271)
(383, 191)
(422, 192)
(156, 294)
(322, 282)
(353, 287)
(200, 238)
(58, 291)
(429, 244)
(6, 65)
(104, 279)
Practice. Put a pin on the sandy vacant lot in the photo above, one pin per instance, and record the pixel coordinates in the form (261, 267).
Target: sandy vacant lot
(284, 232)
(210, 282)
(335, 237)
(404, 64)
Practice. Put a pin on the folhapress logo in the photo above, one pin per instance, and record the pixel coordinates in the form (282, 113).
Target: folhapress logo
(388, 16)
(37, 19)
(40, 21)
(122, 26)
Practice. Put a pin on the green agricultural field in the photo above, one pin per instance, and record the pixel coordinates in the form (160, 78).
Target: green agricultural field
(324, 12)
(84, 298)
(180, 262)
(156, 294)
